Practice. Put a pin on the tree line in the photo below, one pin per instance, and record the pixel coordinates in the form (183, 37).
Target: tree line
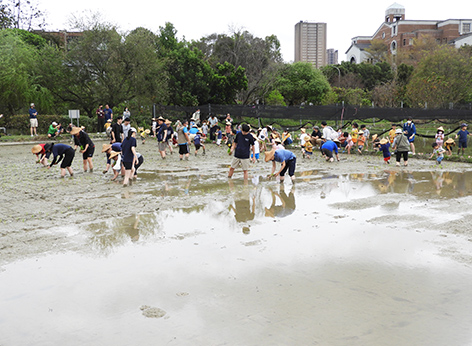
(140, 68)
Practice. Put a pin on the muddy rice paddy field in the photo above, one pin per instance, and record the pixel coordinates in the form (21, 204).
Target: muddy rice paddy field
(354, 253)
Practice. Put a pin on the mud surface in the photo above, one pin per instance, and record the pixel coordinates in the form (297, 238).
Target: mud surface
(354, 253)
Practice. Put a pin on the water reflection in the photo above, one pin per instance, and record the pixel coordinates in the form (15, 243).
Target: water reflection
(287, 206)
(239, 205)
(432, 184)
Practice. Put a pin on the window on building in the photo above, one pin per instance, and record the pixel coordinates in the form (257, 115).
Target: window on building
(383, 35)
(404, 41)
(410, 41)
(465, 27)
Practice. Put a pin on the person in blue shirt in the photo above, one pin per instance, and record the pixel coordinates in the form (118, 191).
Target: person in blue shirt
(33, 115)
(60, 152)
(462, 135)
(197, 141)
(328, 148)
(409, 129)
(287, 159)
(108, 113)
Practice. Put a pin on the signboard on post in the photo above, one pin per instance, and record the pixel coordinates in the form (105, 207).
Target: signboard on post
(74, 114)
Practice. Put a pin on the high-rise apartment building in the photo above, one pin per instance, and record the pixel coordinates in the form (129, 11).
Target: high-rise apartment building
(332, 56)
(310, 43)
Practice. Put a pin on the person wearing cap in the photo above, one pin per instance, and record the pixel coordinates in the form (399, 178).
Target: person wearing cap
(117, 130)
(52, 131)
(304, 137)
(401, 145)
(277, 144)
(33, 116)
(440, 136)
(462, 135)
(448, 144)
(40, 153)
(360, 141)
(128, 155)
(61, 152)
(328, 148)
(286, 158)
(242, 146)
(107, 149)
(385, 148)
(161, 136)
(87, 147)
(409, 129)
(117, 166)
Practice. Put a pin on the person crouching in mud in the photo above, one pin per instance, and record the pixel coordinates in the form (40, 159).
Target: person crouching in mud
(60, 152)
(288, 162)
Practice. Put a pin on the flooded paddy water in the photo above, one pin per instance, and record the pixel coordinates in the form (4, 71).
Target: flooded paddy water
(353, 253)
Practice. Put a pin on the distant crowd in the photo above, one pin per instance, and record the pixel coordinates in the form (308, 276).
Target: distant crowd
(242, 142)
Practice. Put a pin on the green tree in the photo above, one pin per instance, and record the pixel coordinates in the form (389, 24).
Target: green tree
(301, 82)
(19, 77)
(192, 79)
(261, 59)
(442, 77)
(377, 52)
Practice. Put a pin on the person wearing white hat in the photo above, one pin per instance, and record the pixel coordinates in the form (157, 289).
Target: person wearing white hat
(52, 131)
(401, 145)
(33, 114)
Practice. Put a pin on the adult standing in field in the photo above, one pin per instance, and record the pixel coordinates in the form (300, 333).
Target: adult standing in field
(33, 116)
(87, 147)
(196, 117)
(213, 121)
(126, 125)
(241, 147)
(60, 152)
(126, 113)
(117, 130)
(100, 118)
(183, 139)
(108, 113)
(128, 155)
(409, 129)
(401, 146)
(162, 136)
(170, 133)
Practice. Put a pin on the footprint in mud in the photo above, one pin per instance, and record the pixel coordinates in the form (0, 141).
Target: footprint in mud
(151, 312)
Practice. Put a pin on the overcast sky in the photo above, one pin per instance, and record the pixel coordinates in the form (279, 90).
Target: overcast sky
(193, 19)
